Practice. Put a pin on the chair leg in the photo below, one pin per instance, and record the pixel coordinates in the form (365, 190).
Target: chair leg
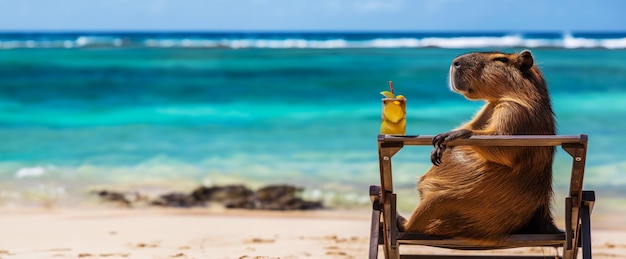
(569, 251)
(374, 231)
(394, 222)
(375, 226)
(586, 232)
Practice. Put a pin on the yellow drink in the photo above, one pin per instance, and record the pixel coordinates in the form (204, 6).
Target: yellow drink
(394, 116)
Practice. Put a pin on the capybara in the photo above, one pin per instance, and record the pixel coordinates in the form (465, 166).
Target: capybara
(483, 194)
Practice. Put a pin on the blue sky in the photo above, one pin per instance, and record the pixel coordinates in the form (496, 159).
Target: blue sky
(313, 15)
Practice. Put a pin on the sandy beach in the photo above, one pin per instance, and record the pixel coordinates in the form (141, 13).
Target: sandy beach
(217, 233)
(163, 113)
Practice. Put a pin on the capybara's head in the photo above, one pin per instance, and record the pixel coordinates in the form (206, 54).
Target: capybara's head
(495, 75)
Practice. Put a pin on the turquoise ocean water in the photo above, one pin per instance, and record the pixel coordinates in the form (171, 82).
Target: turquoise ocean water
(158, 112)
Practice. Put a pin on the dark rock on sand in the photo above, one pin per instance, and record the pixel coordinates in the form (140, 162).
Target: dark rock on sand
(175, 199)
(122, 198)
(273, 197)
(282, 197)
(232, 196)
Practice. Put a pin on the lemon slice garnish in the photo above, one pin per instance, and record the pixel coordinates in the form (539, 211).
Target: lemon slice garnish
(388, 94)
(393, 112)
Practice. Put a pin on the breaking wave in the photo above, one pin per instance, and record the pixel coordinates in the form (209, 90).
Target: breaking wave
(315, 40)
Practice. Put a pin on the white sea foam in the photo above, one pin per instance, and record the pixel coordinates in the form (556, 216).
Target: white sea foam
(473, 42)
(30, 172)
(98, 41)
(79, 42)
(180, 43)
(244, 43)
(394, 43)
(567, 40)
(570, 42)
(614, 43)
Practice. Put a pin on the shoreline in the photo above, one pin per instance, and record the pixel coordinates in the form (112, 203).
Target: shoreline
(101, 232)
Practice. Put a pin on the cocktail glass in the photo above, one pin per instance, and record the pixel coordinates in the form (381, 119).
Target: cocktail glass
(393, 116)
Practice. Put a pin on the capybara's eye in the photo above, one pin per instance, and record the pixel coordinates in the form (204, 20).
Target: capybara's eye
(501, 59)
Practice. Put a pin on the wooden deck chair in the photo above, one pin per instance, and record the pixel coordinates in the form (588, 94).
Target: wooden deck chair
(578, 203)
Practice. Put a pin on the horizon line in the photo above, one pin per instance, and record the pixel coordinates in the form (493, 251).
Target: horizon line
(137, 31)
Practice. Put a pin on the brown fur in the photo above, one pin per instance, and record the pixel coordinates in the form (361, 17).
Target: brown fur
(484, 194)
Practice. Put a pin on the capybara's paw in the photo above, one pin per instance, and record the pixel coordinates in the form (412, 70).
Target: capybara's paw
(438, 147)
(436, 153)
(440, 143)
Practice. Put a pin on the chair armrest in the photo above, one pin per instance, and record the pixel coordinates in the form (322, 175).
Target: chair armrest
(490, 140)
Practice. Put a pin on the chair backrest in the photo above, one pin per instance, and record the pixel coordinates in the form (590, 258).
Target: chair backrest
(574, 145)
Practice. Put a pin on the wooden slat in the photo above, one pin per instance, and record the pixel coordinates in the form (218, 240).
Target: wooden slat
(477, 256)
(519, 240)
(500, 140)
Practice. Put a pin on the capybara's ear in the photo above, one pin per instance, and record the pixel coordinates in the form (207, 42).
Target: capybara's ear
(525, 59)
